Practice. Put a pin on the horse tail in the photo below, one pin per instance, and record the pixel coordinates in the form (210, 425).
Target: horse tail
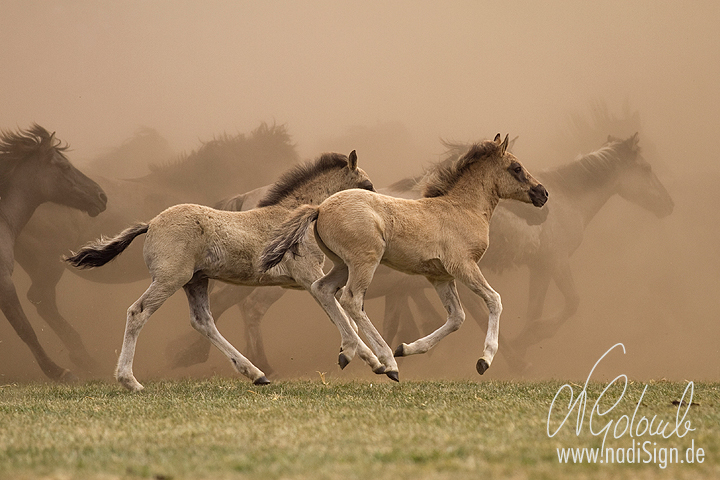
(288, 236)
(101, 251)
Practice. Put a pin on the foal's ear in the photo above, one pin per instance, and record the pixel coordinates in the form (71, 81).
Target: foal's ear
(504, 145)
(497, 138)
(352, 160)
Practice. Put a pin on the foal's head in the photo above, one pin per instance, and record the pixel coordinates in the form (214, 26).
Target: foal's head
(491, 165)
(512, 180)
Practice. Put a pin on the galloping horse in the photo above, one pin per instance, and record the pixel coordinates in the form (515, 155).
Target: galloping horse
(218, 168)
(580, 189)
(186, 245)
(441, 237)
(35, 170)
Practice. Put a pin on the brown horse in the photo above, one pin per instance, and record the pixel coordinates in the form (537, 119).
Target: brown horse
(187, 245)
(441, 236)
(35, 170)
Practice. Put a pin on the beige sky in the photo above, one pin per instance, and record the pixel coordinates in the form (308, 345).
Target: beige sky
(96, 70)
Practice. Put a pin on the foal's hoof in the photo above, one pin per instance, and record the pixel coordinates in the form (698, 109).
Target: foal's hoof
(379, 370)
(343, 361)
(481, 366)
(393, 376)
(400, 350)
(261, 381)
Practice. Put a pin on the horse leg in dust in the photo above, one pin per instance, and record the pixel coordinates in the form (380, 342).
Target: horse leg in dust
(353, 302)
(253, 310)
(323, 290)
(398, 317)
(539, 330)
(539, 283)
(191, 349)
(197, 293)
(10, 306)
(42, 294)
(431, 319)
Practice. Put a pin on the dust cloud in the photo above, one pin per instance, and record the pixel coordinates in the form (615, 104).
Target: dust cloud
(390, 80)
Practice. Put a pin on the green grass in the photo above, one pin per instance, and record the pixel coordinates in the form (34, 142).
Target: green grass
(227, 428)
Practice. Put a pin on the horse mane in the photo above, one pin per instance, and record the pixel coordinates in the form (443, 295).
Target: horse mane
(15, 147)
(444, 175)
(301, 174)
(591, 169)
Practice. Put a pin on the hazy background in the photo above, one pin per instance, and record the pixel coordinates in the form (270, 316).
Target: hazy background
(390, 79)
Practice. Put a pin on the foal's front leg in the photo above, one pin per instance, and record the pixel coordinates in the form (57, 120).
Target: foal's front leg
(474, 279)
(447, 292)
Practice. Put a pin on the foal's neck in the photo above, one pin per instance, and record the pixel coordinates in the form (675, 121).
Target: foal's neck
(475, 194)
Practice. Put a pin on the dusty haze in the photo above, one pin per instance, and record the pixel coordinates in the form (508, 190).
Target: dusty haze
(390, 80)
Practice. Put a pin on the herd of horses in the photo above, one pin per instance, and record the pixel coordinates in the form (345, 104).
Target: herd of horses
(437, 225)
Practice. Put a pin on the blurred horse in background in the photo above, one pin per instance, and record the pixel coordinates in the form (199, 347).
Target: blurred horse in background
(35, 170)
(220, 167)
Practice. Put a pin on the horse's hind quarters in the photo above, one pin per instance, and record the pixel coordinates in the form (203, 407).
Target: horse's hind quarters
(482, 366)
(538, 195)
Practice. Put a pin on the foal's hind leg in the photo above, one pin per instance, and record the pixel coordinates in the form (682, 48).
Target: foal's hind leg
(323, 291)
(201, 319)
(353, 301)
(137, 315)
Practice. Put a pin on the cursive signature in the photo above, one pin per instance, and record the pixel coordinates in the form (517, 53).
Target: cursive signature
(600, 423)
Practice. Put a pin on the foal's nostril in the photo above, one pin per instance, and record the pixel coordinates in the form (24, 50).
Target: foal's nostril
(102, 197)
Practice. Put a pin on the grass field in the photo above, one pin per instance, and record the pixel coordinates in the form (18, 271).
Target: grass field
(227, 428)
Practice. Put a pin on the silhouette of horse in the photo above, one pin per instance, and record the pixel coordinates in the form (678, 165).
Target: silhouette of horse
(441, 236)
(222, 166)
(35, 170)
(186, 245)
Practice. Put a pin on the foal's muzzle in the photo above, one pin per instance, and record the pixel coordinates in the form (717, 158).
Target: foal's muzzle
(538, 195)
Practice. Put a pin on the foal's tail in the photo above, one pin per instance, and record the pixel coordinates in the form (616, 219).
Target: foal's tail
(288, 236)
(101, 251)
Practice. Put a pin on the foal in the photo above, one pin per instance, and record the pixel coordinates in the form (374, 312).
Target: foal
(186, 245)
(441, 236)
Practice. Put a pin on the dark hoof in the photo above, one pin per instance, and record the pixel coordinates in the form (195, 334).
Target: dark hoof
(481, 366)
(399, 351)
(262, 381)
(380, 370)
(393, 376)
(343, 361)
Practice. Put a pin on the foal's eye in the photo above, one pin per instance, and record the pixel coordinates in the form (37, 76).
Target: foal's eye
(518, 169)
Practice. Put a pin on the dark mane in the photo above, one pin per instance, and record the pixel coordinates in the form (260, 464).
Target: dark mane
(301, 174)
(16, 147)
(444, 175)
(588, 170)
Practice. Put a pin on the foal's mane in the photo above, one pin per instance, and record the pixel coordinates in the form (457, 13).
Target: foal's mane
(16, 147)
(591, 169)
(445, 174)
(300, 175)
